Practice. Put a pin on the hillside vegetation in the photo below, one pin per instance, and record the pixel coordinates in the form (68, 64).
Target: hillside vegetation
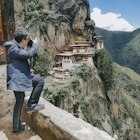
(123, 46)
(95, 94)
(127, 84)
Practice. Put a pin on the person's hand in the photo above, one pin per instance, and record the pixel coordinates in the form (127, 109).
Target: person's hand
(35, 41)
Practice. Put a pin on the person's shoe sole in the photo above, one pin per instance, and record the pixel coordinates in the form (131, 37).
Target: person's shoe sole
(35, 110)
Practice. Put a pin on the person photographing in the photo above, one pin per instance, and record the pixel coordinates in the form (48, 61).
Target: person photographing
(19, 78)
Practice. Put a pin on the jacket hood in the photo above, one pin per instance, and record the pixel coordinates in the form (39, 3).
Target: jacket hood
(9, 43)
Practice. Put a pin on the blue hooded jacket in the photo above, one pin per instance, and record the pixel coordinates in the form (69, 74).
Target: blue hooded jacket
(19, 77)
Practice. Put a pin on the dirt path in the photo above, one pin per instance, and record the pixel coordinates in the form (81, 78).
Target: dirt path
(6, 111)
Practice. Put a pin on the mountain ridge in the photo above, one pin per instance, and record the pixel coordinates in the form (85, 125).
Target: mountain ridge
(123, 46)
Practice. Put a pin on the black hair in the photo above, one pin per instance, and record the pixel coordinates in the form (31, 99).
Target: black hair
(19, 38)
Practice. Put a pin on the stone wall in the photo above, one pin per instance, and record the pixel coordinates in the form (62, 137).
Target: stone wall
(6, 98)
(53, 123)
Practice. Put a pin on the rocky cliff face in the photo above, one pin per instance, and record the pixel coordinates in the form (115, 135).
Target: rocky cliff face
(6, 98)
(83, 95)
(57, 23)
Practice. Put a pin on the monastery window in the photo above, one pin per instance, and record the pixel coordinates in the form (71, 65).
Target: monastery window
(78, 58)
(85, 59)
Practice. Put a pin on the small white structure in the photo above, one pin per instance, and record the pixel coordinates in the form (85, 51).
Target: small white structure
(99, 42)
(67, 59)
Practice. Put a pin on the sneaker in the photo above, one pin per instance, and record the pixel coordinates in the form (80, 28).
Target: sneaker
(35, 108)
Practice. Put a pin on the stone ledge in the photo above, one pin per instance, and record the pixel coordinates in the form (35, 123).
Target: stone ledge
(53, 123)
(3, 136)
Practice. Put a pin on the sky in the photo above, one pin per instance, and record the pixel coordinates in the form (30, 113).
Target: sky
(116, 15)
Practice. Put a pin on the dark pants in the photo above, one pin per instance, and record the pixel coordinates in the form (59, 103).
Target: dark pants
(38, 84)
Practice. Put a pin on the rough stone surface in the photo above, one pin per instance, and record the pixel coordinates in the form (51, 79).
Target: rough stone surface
(35, 138)
(56, 124)
(6, 98)
(3, 136)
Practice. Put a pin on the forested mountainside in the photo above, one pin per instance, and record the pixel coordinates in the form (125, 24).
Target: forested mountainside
(123, 46)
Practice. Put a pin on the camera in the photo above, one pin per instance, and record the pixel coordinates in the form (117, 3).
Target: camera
(30, 43)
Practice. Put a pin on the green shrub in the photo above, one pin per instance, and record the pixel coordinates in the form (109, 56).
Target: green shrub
(41, 67)
(133, 107)
(117, 123)
(104, 65)
(55, 92)
(83, 72)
